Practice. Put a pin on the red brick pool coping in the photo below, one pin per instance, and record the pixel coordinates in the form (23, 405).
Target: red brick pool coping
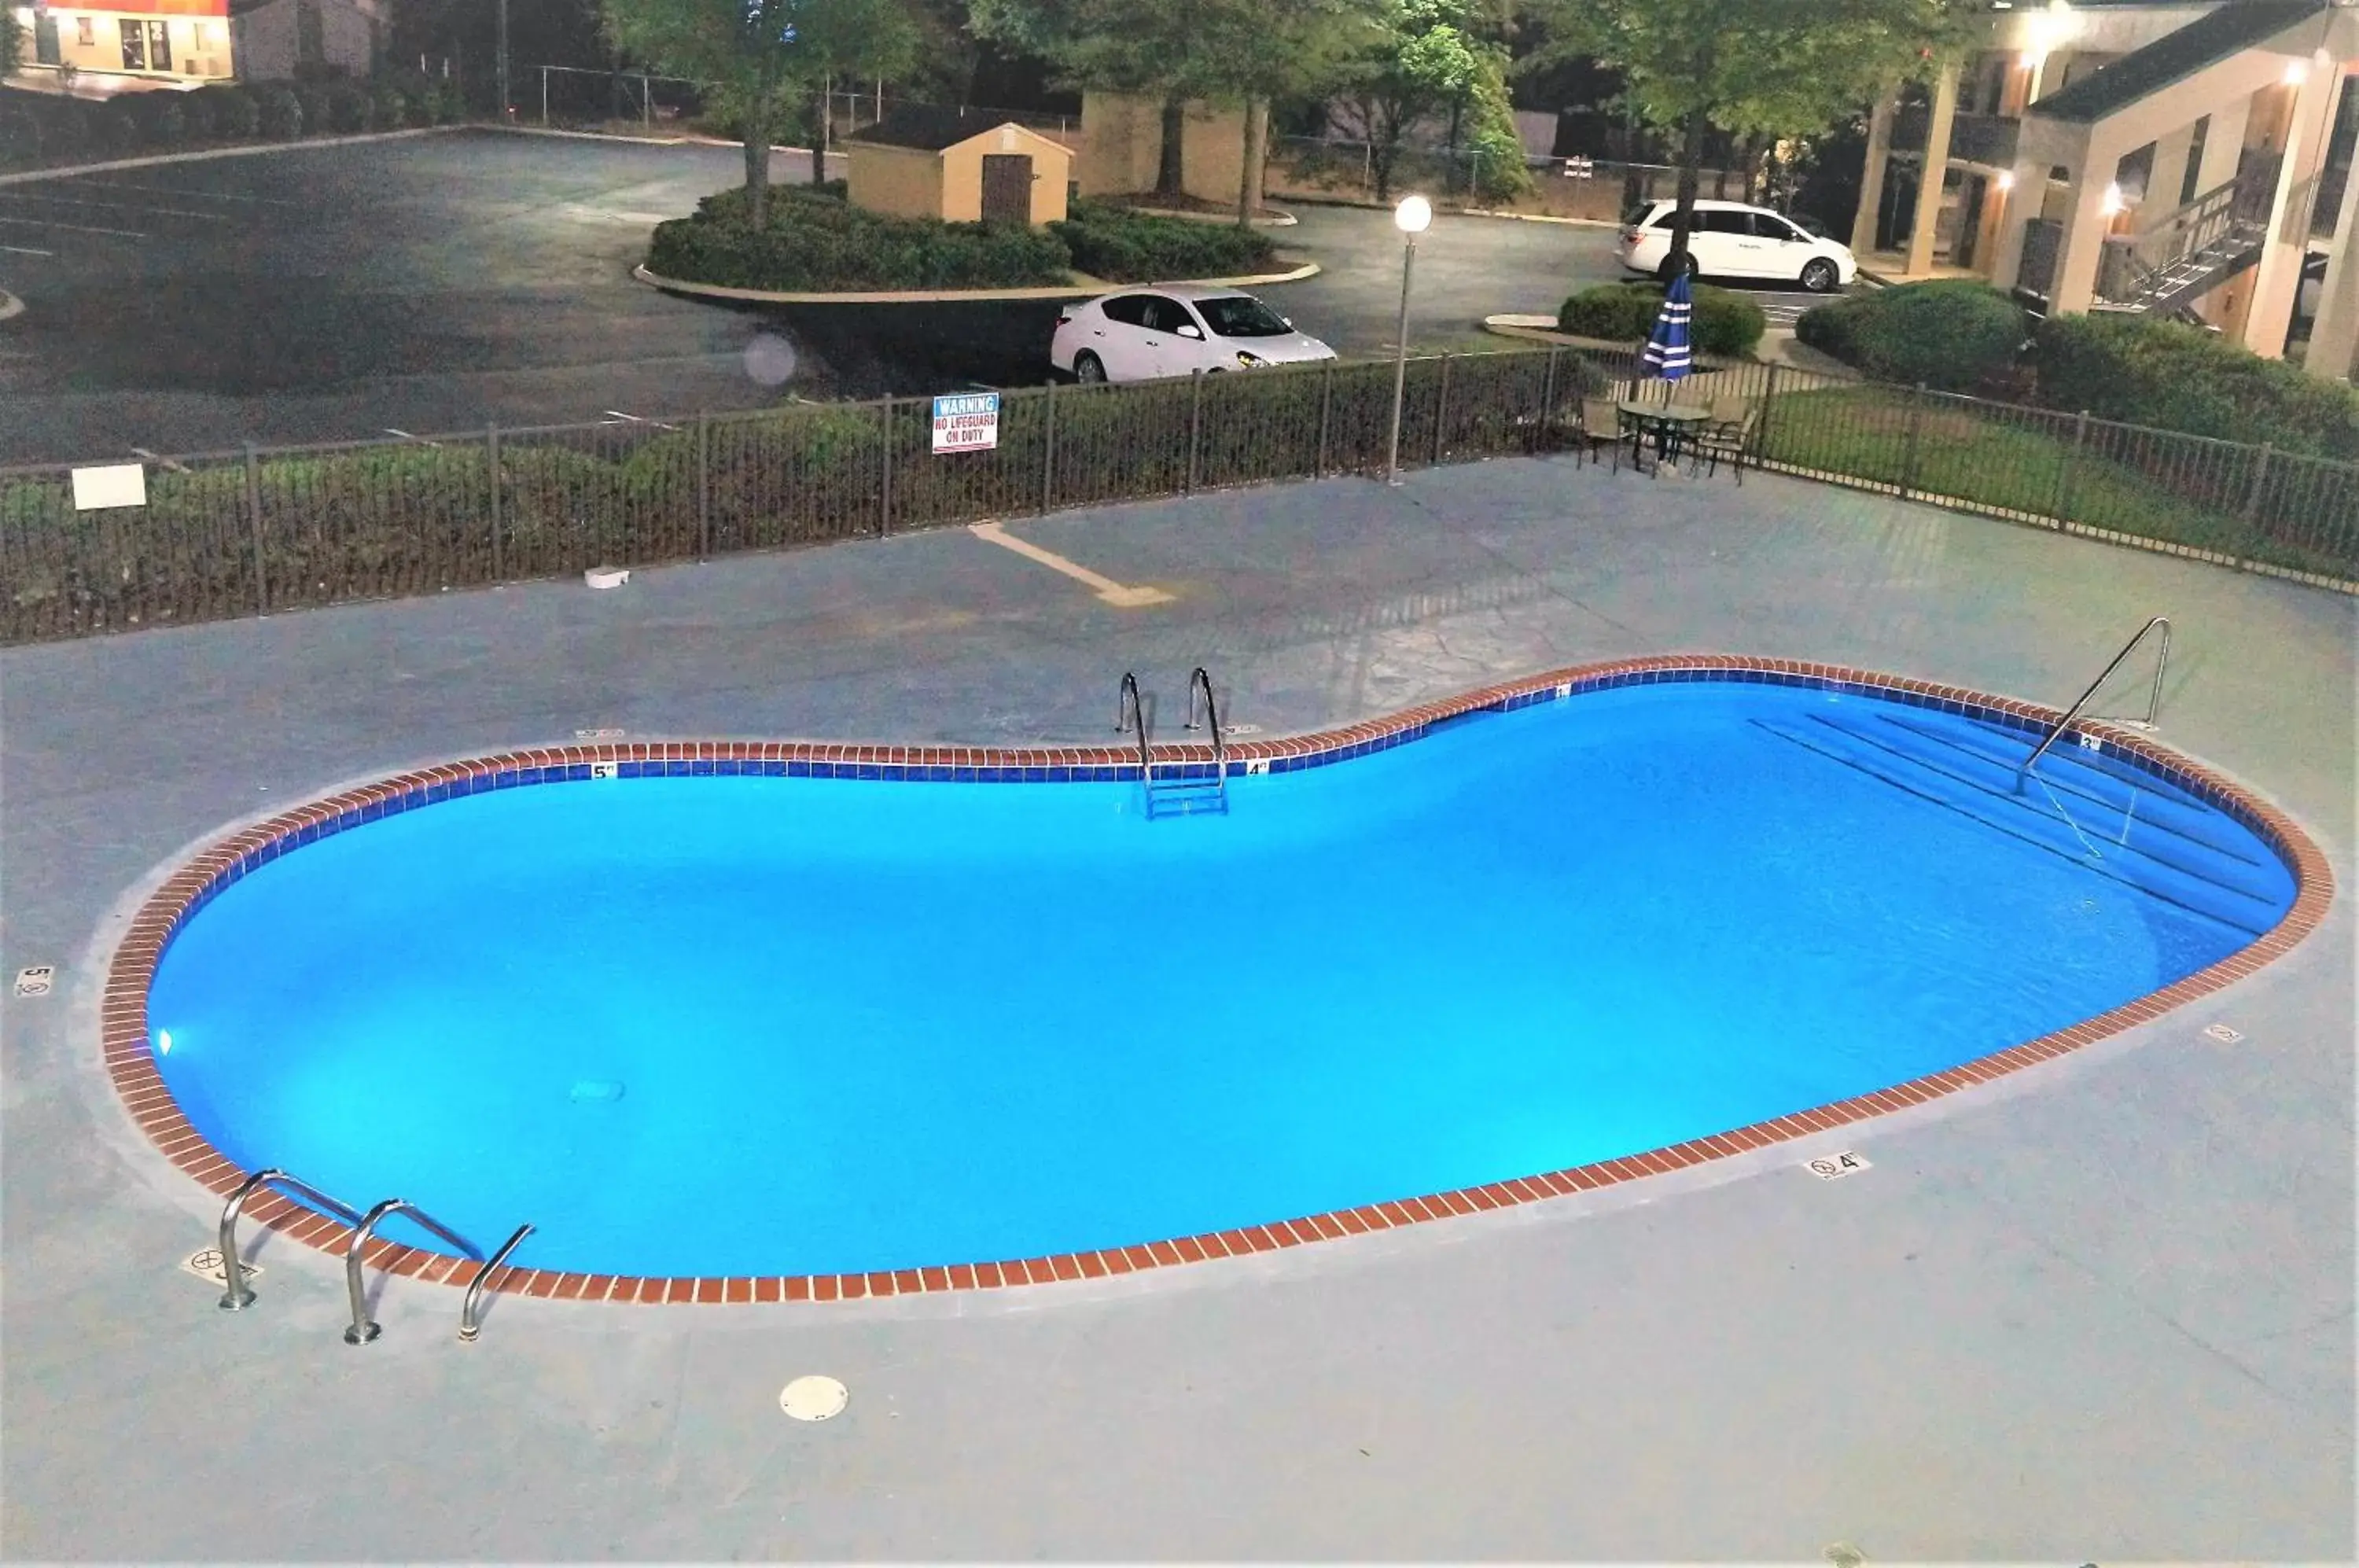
(131, 1065)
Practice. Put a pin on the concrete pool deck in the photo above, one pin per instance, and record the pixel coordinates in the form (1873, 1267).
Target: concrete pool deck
(2099, 1310)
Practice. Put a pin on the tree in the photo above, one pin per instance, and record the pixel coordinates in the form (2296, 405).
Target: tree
(1228, 51)
(1768, 68)
(757, 53)
(12, 41)
(1421, 57)
(1145, 47)
(1258, 51)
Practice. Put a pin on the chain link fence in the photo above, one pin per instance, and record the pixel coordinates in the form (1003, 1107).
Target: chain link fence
(1595, 190)
(225, 535)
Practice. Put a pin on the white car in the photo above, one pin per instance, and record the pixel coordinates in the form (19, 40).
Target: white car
(1733, 240)
(1141, 333)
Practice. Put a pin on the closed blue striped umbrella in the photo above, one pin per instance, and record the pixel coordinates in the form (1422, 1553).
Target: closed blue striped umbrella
(1666, 346)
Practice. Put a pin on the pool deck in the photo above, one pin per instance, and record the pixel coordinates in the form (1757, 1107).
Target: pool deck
(2098, 1310)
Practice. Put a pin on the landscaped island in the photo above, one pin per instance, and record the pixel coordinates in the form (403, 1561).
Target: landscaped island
(813, 241)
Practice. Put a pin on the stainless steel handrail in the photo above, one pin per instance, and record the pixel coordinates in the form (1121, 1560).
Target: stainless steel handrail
(2153, 702)
(1132, 708)
(237, 1297)
(1200, 679)
(470, 1324)
(362, 1329)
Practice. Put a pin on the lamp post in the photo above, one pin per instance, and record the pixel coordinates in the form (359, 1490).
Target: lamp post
(1412, 217)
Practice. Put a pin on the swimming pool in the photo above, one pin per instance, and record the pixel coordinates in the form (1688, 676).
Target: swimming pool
(777, 1015)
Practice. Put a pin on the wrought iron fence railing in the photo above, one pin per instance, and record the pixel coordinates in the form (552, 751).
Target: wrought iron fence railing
(231, 534)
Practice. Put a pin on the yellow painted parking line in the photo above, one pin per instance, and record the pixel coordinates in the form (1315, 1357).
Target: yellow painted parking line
(1107, 590)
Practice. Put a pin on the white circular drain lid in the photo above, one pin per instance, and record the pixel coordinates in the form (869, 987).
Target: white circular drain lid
(812, 1399)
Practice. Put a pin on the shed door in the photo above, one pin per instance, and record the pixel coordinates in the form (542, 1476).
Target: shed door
(1006, 188)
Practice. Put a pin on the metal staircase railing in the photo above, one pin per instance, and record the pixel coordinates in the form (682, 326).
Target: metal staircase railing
(2186, 254)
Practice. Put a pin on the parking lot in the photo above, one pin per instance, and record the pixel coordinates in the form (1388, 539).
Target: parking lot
(441, 282)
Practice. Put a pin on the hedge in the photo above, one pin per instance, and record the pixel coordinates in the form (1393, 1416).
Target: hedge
(2179, 377)
(1124, 247)
(1955, 334)
(37, 128)
(1726, 324)
(814, 241)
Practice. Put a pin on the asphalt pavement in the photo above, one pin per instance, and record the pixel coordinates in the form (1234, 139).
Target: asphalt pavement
(439, 283)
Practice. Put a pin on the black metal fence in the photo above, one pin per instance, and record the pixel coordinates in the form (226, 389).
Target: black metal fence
(225, 535)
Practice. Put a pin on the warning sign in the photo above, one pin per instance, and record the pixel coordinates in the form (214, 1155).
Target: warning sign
(966, 421)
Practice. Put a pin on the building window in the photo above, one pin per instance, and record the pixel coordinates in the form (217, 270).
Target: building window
(159, 47)
(135, 46)
(85, 32)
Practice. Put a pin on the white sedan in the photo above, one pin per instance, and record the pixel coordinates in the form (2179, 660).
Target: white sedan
(1143, 333)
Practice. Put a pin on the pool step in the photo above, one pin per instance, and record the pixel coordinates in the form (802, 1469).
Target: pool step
(2136, 835)
(2100, 795)
(1176, 794)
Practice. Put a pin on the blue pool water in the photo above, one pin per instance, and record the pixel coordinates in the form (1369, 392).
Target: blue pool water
(739, 1026)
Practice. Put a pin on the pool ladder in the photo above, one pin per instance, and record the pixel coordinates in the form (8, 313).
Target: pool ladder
(1175, 788)
(237, 1296)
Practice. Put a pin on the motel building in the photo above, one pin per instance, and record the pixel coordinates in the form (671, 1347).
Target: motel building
(162, 43)
(2188, 160)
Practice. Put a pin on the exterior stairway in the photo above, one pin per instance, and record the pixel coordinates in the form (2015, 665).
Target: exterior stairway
(2186, 255)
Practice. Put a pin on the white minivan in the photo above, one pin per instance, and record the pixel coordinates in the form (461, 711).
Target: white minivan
(1733, 240)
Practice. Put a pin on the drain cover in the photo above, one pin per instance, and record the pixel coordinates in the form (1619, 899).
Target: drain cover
(812, 1399)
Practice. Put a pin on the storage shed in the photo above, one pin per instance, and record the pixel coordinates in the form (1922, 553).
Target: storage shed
(919, 161)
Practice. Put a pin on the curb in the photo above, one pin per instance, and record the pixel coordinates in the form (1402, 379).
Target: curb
(1081, 288)
(635, 141)
(587, 136)
(1459, 213)
(10, 306)
(1542, 329)
(250, 149)
(1279, 218)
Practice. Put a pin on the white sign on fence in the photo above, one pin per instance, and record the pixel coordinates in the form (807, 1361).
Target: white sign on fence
(1579, 169)
(111, 485)
(966, 421)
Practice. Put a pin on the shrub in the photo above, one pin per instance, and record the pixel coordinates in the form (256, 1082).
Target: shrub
(278, 112)
(393, 107)
(1955, 334)
(162, 122)
(231, 113)
(1726, 324)
(113, 126)
(424, 102)
(319, 117)
(817, 243)
(1124, 247)
(20, 138)
(2179, 377)
(350, 108)
(62, 125)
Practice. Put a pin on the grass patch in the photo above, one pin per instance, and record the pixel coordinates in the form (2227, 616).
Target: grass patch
(2016, 460)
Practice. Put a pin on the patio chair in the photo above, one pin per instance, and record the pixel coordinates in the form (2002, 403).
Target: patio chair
(1728, 434)
(1601, 421)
